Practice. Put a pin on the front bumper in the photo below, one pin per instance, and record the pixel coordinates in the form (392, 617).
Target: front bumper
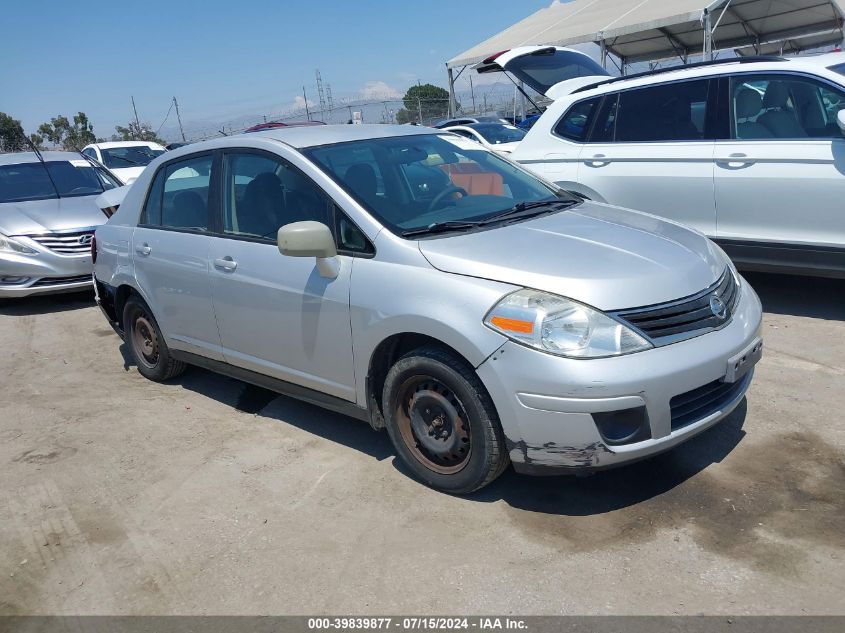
(547, 403)
(44, 273)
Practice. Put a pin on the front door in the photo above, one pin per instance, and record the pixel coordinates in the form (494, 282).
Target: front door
(780, 180)
(276, 314)
(170, 254)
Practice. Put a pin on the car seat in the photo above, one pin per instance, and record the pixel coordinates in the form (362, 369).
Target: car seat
(778, 117)
(748, 105)
(361, 178)
(262, 211)
(187, 211)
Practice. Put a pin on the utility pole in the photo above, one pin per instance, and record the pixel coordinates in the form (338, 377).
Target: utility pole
(137, 123)
(419, 110)
(307, 111)
(178, 118)
(472, 92)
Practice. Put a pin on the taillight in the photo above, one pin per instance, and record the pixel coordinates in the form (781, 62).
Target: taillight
(94, 249)
(493, 57)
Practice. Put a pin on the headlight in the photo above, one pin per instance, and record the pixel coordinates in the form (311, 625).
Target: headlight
(8, 245)
(561, 326)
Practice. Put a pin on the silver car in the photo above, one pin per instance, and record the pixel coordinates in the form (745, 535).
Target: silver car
(48, 215)
(410, 278)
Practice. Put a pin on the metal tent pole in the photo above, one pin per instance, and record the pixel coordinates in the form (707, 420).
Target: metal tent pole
(451, 92)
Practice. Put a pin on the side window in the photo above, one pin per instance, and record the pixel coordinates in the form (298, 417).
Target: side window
(261, 194)
(670, 112)
(152, 207)
(349, 236)
(575, 124)
(780, 106)
(90, 152)
(184, 194)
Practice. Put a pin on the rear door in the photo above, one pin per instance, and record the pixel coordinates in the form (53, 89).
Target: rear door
(170, 253)
(780, 179)
(277, 316)
(651, 149)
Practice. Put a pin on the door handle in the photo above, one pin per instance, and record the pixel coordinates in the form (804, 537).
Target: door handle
(226, 263)
(599, 160)
(736, 160)
(143, 249)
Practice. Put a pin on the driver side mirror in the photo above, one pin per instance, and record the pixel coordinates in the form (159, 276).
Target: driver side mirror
(840, 119)
(310, 239)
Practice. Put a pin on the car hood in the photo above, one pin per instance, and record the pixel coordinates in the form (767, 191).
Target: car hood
(127, 174)
(604, 256)
(43, 216)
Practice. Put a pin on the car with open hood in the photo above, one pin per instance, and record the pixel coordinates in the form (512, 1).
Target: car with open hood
(48, 213)
(410, 278)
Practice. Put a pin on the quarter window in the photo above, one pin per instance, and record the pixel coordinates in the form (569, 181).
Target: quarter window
(670, 112)
(262, 194)
(178, 197)
(780, 106)
(575, 124)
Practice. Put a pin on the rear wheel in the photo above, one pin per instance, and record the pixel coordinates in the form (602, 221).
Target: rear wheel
(146, 344)
(442, 422)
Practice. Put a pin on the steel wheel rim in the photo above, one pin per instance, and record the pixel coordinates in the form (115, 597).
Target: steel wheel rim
(434, 425)
(145, 341)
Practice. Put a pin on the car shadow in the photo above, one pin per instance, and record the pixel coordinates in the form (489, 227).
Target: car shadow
(814, 297)
(47, 304)
(557, 495)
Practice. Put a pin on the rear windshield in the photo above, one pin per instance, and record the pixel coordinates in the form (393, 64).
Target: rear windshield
(839, 68)
(496, 133)
(132, 156)
(70, 179)
(547, 67)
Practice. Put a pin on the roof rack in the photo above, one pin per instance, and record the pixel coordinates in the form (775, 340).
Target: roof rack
(716, 62)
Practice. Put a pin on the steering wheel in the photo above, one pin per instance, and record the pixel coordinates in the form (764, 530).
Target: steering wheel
(444, 193)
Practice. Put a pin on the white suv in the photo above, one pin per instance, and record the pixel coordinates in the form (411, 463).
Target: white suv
(748, 151)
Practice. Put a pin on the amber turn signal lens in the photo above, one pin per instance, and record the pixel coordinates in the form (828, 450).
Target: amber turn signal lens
(513, 325)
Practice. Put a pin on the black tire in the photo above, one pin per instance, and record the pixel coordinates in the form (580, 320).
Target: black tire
(442, 421)
(146, 344)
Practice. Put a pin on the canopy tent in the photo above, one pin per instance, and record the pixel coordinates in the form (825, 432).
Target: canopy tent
(643, 30)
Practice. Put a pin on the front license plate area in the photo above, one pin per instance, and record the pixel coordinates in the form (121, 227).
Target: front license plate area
(741, 363)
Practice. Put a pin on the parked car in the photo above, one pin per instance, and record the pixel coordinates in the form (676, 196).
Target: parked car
(47, 219)
(482, 316)
(528, 122)
(749, 151)
(499, 137)
(468, 120)
(126, 159)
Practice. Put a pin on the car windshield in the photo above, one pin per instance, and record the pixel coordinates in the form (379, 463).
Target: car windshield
(495, 133)
(839, 68)
(129, 156)
(67, 179)
(411, 183)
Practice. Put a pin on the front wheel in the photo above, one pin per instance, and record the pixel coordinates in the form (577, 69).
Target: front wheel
(442, 422)
(146, 344)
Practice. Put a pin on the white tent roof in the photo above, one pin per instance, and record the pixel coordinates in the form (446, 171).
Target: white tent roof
(638, 30)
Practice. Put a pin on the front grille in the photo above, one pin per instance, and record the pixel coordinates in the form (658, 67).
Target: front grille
(697, 404)
(71, 243)
(668, 322)
(58, 281)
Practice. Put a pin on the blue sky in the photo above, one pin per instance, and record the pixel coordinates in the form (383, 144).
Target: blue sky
(221, 58)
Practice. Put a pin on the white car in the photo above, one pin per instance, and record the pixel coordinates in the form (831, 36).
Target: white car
(501, 138)
(126, 159)
(749, 151)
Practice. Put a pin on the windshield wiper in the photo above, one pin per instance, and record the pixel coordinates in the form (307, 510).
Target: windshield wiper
(127, 160)
(441, 227)
(527, 209)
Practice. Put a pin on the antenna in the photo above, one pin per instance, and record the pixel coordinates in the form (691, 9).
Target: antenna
(42, 161)
(321, 95)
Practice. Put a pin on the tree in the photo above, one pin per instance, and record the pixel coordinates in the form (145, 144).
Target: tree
(37, 140)
(11, 134)
(136, 132)
(59, 131)
(403, 116)
(430, 101)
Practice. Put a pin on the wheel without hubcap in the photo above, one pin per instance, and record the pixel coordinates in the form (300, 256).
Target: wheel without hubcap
(145, 341)
(434, 425)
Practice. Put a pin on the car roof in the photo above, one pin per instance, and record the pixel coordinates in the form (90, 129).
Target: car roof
(722, 67)
(111, 144)
(16, 158)
(311, 136)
